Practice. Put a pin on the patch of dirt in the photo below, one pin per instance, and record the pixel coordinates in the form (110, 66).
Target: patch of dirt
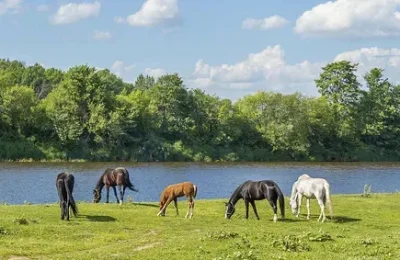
(140, 248)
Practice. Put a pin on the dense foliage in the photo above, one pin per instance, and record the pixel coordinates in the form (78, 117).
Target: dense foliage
(92, 114)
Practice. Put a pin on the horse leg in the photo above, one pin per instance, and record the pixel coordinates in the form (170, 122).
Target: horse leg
(108, 193)
(162, 211)
(253, 204)
(192, 204)
(299, 199)
(274, 208)
(67, 204)
(176, 206)
(322, 206)
(115, 193)
(121, 194)
(62, 206)
(246, 204)
(191, 207)
(308, 208)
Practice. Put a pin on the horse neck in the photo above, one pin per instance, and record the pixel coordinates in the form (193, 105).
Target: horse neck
(235, 196)
(100, 183)
(294, 190)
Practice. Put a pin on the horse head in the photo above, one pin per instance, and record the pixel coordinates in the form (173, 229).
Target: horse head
(293, 204)
(230, 209)
(96, 195)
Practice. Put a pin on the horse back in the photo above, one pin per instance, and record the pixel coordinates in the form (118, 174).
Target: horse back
(179, 190)
(312, 185)
(109, 177)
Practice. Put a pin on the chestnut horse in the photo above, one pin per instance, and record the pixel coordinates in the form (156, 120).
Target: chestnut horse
(172, 192)
(111, 178)
(65, 186)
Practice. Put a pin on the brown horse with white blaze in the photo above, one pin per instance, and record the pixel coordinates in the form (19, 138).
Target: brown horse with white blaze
(173, 192)
(111, 178)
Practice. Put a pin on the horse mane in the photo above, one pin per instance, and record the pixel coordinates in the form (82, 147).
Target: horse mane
(236, 194)
(100, 183)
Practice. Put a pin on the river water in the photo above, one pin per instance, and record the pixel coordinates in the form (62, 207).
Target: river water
(35, 182)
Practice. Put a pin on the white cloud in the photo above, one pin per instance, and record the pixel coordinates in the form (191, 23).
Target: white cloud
(269, 23)
(358, 18)
(102, 35)
(119, 19)
(155, 12)
(71, 13)
(266, 70)
(369, 58)
(121, 69)
(156, 73)
(12, 6)
(42, 8)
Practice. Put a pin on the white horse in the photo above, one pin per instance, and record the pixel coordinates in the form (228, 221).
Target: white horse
(311, 188)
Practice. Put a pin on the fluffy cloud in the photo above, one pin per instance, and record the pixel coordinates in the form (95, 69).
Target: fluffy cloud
(266, 70)
(360, 18)
(12, 6)
(368, 58)
(102, 35)
(121, 69)
(71, 13)
(155, 12)
(156, 73)
(269, 23)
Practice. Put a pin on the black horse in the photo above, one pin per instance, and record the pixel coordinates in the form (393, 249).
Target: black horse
(250, 191)
(111, 178)
(65, 186)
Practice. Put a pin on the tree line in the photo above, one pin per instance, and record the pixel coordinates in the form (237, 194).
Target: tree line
(90, 114)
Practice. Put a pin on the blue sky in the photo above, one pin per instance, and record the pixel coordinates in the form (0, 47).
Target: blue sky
(227, 47)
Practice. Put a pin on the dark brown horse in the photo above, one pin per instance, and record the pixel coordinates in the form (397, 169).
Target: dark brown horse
(65, 186)
(251, 191)
(172, 192)
(111, 178)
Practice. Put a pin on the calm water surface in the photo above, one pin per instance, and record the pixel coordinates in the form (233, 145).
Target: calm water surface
(35, 182)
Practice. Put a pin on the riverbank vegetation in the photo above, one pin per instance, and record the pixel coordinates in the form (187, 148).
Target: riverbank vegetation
(90, 114)
(364, 228)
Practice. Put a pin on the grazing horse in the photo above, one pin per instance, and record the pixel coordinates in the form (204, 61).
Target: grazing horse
(250, 191)
(65, 186)
(311, 188)
(172, 192)
(111, 178)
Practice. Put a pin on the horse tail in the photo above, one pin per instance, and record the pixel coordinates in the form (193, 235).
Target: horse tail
(281, 199)
(69, 186)
(194, 191)
(328, 197)
(128, 182)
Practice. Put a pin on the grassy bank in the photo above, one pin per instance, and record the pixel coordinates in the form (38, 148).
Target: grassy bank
(364, 228)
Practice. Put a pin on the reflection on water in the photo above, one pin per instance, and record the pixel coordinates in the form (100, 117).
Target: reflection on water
(35, 182)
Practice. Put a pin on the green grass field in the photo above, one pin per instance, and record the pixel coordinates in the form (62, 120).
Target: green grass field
(364, 228)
